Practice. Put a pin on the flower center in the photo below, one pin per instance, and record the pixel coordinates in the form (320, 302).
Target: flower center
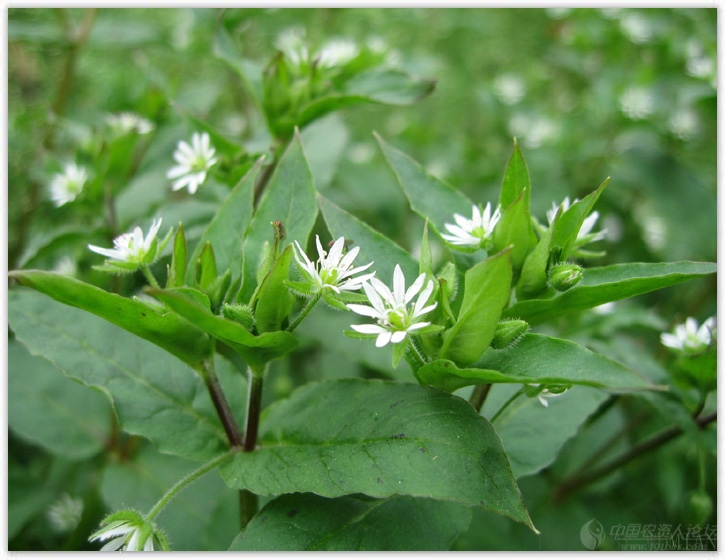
(198, 164)
(329, 276)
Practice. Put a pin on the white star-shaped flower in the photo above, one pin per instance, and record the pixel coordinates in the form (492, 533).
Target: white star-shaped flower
(476, 232)
(129, 531)
(395, 318)
(194, 161)
(68, 184)
(333, 270)
(133, 248)
(688, 339)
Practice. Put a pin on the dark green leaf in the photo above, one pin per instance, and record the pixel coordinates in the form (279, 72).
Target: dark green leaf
(610, 283)
(374, 246)
(389, 438)
(486, 290)
(310, 522)
(170, 332)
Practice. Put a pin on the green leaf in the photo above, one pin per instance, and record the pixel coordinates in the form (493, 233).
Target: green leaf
(170, 332)
(250, 72)
(226, 231)
(515, 180)
(310, 522)
(374, 246)
(426, 257)
(177, 269)
(45, 407)
(533, 279)
(390, 438)
(139, 483)
(429, 197)
(154, 394)
(290, 199)
(515, 229)
(486, 290)
(275, 302)
(256, 350)
(205, 268)
(609, 283)
(219, 141)
(536, 359)
(533, 434)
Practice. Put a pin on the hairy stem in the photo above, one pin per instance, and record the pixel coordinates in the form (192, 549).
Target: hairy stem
(254, 407)
(505, 405)
(480, 392)
(149, 275)
(305, 310)
(221, 405)
(184, 482)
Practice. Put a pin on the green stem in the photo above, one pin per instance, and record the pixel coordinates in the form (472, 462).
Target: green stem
(208, 374)
(184, 482)
(254, 407)
(506, 404)
(305, 310)
(149, 275)
(480, 392)
(415, 352)
(248, 505)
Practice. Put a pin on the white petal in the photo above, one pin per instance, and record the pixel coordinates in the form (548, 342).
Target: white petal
(383, 291)
(416, 326)
(671, 341)
(110, 253)
(414, 288)
(177, 171)
(320, 251)
(369, 329)
(346, 261)
(336, 252)
(364, 310)
(383, 339)
(115, 544)
(398, 336)
(398, 285)
(374, 298)
(423, 298)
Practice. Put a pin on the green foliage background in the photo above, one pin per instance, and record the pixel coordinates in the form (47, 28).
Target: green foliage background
(560, 80)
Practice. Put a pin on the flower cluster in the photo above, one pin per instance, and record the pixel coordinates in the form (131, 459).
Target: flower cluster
(194, 161)
(67, 185)
(476, 232)
(688, 339)
(124, 123)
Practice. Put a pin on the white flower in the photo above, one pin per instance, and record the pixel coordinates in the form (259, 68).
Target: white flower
(509, 88)
(66, 186)
(65, 266)
(194, 161)
(547, 393)
(587, 225)
(637, 103)
(337, 52)
(476, 231)
(688, 338)
(333, 270)
(291, 42)
(395, 319)
(133, 248)
(129, 531)
(65, 514)
(123, 123)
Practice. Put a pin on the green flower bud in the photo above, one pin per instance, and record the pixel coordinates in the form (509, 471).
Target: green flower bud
(240, 313)
(564, 276)
(698, 508)
(508, 333)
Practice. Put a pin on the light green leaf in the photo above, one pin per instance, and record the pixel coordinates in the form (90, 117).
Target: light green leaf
(144, 382)
(515, 181)
(47, 408)
(226, 231)
(533, 434)
(389, 438)
(374, 246)
(429, 197)
(532, 281)
(610, 283)
(486, 290)
(275, 302)
(352, 523)
(171, 332)
(515, 229)
(536, 359)
(290, 199)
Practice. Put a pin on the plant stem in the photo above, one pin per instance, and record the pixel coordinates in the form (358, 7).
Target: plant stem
(149, 275)
(184, 482)
(254, 407)
(506, 404)
(221, 405)
(415, 352)
(575, 483)
(248, 505)
(305, 310)
(480, 392)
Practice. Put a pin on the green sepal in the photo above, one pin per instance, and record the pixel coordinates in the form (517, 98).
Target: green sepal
(332, 300)
(116, 267)
(426, 258)
(218, 289)
(300, 288)
(399, 350)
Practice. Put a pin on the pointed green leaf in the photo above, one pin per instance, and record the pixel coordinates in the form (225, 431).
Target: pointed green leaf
(206, 271)
(536, 359)
(154, 395)
(352, 523)
(533, 279)
(177, 270)
(374, 246)
(226, 231)
(290, 199)
(515, 180)
(274, 302)
(429, 197)
(256, 350)
(515, 229)
(610, 283)
(486, 291)
(426, 258)
(390, 438)
(171, 332)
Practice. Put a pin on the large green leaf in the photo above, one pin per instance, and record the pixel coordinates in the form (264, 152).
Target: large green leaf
(486, 290)
(389, 438)
(226, 231)
(533, 434)
(429, 197)
(535, 359)
(610, 283)
(310, 522)
(47, 408)
(290, 199)
(154, 394)
(256, 350)
(374, 246)
(167, 330)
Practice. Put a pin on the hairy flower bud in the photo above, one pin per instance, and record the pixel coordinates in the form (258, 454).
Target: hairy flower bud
(564, 276)
(240, 313)
(508, 333)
